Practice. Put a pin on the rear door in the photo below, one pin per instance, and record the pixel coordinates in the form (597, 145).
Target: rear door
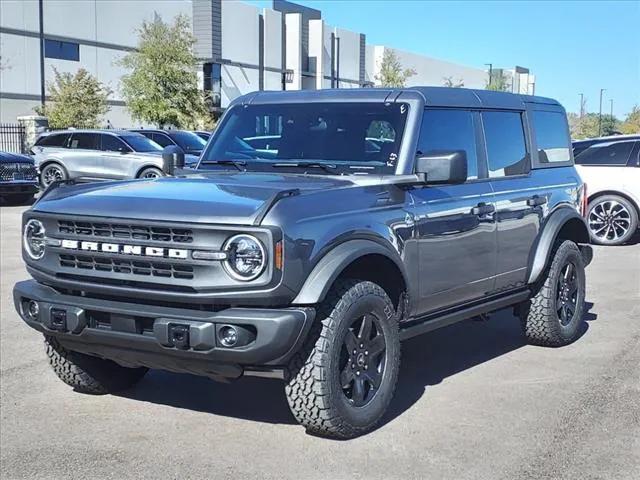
(83, 156)
(454, 224)
(117, 161)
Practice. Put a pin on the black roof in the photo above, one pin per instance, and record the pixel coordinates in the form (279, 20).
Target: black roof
(432, 96)
(8, 157)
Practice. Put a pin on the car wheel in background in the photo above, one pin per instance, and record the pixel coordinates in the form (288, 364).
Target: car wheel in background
(52, 172)
(151, 172)
(612, 220)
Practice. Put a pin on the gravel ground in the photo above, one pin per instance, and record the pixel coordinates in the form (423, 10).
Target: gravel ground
(474, 402)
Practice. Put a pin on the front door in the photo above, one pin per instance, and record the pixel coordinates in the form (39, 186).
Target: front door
(454, 224)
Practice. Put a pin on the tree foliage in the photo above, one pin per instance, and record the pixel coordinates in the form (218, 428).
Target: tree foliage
(498, 81)
(631, 124)
(392, 74)
(76, 100)
(450, 82)
(161, 87)
(587, 126)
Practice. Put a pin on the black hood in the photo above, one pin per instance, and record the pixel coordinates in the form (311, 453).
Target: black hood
(226, 198)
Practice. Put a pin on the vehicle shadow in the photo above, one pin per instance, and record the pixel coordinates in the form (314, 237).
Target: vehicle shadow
(426, 361)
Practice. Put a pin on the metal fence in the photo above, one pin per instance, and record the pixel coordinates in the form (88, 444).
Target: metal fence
(12, 138)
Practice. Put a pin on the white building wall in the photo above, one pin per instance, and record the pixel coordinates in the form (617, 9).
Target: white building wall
(272, 49)
(349, 58)
(293, 22)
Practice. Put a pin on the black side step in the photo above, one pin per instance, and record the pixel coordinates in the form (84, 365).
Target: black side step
(433, 322)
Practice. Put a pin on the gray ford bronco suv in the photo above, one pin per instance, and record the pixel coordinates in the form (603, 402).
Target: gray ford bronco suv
(319, 230)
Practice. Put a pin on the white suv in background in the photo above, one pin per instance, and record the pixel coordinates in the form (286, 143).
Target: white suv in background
(611, 170)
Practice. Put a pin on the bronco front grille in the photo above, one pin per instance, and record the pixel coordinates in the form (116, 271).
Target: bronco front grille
(126, 231)
(128, 266)
(17, 171)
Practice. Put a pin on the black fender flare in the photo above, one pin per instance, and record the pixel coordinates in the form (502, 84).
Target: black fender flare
(546, 239)
(333, 263)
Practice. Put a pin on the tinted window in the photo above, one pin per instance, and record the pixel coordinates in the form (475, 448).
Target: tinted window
(188, 141)
(113, 144)
(140, 143)
(450, 130)
(53, 140)
(606, 154)
(87, 141)
(349, 136)
(506, 147)
(62, 50)
(552, 137)
(161, 139)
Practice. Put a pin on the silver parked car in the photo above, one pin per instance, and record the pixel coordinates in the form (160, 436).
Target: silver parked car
(96, 154)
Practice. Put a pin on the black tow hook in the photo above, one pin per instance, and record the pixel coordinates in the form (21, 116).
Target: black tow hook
(179, 336)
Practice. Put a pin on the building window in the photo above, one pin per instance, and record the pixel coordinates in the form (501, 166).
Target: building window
(62, 50)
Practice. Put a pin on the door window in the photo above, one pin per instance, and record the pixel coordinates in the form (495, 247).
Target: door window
(552, 137)
(450, 130)
(616, 153)
(54, 140)
(506, 146)
(162, 139)
(113, 144)
(85, 141)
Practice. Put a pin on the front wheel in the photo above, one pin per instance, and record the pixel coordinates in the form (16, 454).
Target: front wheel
(52, 172)
(342, 381)
(554, 315)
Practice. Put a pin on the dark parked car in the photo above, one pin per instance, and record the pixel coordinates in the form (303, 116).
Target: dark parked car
(18, 178)
(203, 134)
(580, 146)
(378, 215)
(188, 141)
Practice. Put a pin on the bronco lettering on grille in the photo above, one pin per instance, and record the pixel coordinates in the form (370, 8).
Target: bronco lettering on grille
(125, 249)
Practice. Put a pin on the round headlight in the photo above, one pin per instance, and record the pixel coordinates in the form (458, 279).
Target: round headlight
(246, 257)
(33, 239)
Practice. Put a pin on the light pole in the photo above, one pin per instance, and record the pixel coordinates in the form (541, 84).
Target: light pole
(490, 65)
(600, 114)
(581, 105)
(611, 101)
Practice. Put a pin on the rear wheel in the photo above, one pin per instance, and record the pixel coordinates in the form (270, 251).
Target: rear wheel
(87, 374)
(612, 220)
(554, 315)
(341, 383)
(52, 172)
(151, 172)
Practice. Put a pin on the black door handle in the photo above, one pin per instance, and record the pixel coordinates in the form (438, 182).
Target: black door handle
(483, 209)
(536, 201)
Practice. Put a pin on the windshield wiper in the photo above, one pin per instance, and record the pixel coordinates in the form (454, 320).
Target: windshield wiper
(327, 167)
(239, 164)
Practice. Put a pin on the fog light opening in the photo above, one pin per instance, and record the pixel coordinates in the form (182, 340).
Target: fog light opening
(33, 310)
(228, 336)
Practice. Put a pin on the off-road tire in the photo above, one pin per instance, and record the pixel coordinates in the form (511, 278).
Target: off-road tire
(87, 374)
(539, 316)
(313, 387)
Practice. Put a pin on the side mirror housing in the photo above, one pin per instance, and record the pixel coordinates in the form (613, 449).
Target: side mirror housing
(172, 159)
(442, 167)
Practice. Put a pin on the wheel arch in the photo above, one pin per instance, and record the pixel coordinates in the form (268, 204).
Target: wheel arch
(358, 259)
(566, 224)
(144, 167)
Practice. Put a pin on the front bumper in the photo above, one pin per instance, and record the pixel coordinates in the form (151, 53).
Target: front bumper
(175, 339)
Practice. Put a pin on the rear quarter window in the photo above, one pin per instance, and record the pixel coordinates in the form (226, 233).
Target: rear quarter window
(53, 140)
(552, 137)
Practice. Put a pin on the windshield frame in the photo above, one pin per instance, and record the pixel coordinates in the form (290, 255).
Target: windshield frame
(414, 104)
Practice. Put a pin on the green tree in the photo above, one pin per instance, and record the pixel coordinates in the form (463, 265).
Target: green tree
(76, 100)
(450, 82)
(631, 124)
(588, 125)
(498, 81)
(162, 85)
(392, 74)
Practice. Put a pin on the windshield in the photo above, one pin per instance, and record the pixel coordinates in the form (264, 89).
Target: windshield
(188, 141)
(140, 143)
(336, 137)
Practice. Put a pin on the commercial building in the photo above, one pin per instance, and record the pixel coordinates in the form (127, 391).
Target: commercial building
(241, 47)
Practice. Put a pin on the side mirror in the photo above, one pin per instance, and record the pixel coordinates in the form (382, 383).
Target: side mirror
(442, 166)
(172, 159)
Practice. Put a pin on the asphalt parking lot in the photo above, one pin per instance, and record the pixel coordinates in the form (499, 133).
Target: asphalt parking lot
(473, 402)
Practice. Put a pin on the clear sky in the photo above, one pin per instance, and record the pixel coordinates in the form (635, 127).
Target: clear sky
(572, 47)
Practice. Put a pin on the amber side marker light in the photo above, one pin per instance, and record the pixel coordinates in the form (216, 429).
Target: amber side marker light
(277, 260)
